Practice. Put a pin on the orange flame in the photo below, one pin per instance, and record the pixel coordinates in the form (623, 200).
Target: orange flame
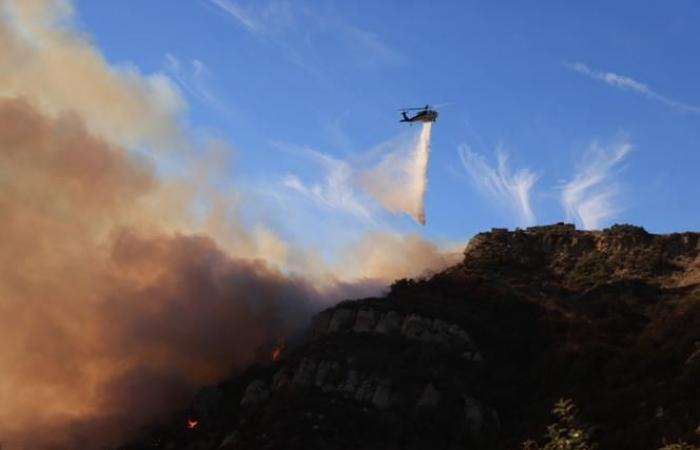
(192, 424)
(277, 351)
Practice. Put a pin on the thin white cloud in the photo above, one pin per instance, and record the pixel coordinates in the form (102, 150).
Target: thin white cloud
(193, 77)
(627, 83)
(513, 189)
(369, 47)
(336, 191)
(239, 14)
(336, 134)
(589, 198)
(294, 26)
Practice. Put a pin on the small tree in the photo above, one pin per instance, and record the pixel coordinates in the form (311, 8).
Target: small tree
(569, 433)
(566, 433)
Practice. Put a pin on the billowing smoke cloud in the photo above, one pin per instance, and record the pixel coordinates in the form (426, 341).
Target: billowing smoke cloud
(398, 181)
(389, 256)
(113, 307)
(95, 312)
(43, 59)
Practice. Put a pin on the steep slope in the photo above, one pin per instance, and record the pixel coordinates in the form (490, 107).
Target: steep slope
(475, 356)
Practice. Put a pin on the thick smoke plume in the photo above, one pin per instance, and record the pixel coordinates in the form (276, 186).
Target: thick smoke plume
(44, 58)
(399, 181)
(114, 305)
(104, 324)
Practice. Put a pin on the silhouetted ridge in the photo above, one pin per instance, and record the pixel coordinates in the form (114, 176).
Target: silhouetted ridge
(475, 356)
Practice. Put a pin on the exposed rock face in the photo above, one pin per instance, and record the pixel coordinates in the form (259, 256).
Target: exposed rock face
(475, 356)
(342, 319)
(620, 252)
(328, 376)
(474, 415)
(365, 321)
(304, 373)
(381, 399)
(256, 392)
(230, 442)
(430, 397)
(389, 323)
(409, 326)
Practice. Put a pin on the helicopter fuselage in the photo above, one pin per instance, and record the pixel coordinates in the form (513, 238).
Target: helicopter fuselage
(427, 115)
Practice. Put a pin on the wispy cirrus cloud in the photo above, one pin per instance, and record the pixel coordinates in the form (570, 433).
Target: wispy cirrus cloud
(241, 15)
(295, 26)
(270, 17)
(369, 46)
(630, 84)
(589, 198)
(335, 191)
(510, 188)
(193, 76)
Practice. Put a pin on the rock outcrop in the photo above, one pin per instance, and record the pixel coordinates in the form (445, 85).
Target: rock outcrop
(475, 356)
(393, 323)
(581, 257)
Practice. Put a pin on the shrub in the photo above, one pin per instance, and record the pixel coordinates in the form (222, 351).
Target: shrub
(566, 433)
(569, 433)
(402, 285)
(680, 446)
(591, 270)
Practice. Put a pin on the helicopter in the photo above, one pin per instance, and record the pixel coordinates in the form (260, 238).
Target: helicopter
(424, 114)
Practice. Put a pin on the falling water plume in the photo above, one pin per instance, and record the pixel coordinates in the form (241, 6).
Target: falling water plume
(398, 181)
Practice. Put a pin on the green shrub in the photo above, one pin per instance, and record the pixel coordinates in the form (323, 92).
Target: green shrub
(566, 433)
(591, 270)
(569, 433)
(625, 228)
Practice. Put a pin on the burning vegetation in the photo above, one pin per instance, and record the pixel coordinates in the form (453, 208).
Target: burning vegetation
(277, 350)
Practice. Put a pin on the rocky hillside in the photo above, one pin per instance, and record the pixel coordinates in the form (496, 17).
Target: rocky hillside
(475, 356)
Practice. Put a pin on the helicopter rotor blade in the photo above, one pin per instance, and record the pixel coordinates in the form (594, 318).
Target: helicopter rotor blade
(428, 107)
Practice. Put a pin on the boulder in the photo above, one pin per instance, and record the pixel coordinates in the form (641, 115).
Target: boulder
(473, 356)
(430, 397)
(414, 326)
(342, 320)
(323, 368)
(365, 320)
(473, 414)
(441, 330)
(256, 392)
(390, 323)
(280, 379)
(304, 373)
(365, 391)
(458, 337)
(230, 442)
(350, 384)
(382, 394)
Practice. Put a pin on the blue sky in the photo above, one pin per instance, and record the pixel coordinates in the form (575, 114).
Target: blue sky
(596, 105)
